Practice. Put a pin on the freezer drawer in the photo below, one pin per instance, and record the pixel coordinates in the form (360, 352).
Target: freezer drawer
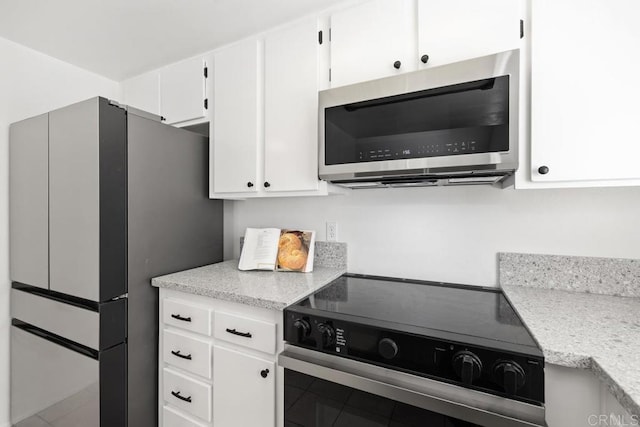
(93, 325)
(62, 383)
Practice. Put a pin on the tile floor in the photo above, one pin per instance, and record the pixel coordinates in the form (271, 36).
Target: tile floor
(79, 409)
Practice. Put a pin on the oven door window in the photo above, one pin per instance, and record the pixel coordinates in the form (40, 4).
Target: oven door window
(313, 402)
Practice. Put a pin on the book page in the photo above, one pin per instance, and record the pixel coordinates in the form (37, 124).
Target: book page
(296, 251)
(260, 249)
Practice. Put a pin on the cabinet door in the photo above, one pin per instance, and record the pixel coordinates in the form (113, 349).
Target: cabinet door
(29, 201)
(182, 91)
(234, 146)
(243, 390)
(366, 41)
(291, 108)
(143, 92)
(455, 30)
(584, 108)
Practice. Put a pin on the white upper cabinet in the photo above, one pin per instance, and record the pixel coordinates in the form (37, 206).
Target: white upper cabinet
(373, 40)
(236, 119)
(291, 108)
(265, 121)
(143, 92)
(183, 91)
(381, 38)
(176, 92)
(456, 30)
(584, 100)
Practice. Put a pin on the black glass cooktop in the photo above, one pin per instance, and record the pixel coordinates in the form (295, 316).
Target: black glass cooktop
(457, 312)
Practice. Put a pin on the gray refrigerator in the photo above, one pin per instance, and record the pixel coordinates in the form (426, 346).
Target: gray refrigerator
(102, 199)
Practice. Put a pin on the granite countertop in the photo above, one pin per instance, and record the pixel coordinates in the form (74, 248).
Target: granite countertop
(585, 330)
(266, 289)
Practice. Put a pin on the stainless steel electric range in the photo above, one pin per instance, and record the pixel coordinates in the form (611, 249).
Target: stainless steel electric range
(379, 351)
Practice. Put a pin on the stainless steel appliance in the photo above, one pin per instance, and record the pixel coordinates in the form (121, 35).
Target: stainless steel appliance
(102, 198)
(372, 351)
(449, 125)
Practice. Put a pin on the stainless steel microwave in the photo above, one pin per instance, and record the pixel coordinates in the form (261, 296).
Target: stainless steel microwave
(448, 125)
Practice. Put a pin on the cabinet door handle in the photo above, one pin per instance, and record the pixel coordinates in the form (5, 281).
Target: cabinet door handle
(397, 65)
(178, 317)
(240, 334)
(266, 184)
(424, 59)
(177, 394)
(264, 373)
(249, 184)
(543, 170)
(183, 356)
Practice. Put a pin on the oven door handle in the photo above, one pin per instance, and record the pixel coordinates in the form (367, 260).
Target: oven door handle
(436, 396)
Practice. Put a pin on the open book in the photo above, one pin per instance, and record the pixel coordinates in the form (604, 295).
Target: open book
(276, 249)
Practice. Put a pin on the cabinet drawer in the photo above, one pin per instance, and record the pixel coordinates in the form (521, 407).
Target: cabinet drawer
(247, 332)
(172, 418)
(186, 393)
(187, 316)
(187, 353)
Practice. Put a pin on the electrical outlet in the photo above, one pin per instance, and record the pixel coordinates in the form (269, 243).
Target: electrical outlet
(332, 231)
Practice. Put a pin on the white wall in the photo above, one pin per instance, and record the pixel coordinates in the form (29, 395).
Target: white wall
(30, 84)
(453, 234)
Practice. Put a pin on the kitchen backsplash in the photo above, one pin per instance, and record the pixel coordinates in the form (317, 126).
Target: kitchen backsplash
(607, 276)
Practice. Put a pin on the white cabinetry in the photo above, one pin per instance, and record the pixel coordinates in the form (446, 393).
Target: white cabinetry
(291, 108)
(143, 92)
(370, 40)
(583, 98)
(381, 38)
(265, 126)
(456, 30)
(176, 92)
(252, 405)
(589, 403)
(217, 363)
(236, 118)
(183, 91)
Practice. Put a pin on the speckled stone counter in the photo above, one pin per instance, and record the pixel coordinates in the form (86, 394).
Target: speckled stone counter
(607, 276)
(580, 329)
(266, 289)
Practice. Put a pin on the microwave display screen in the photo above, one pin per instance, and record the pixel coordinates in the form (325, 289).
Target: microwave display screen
(465, 118)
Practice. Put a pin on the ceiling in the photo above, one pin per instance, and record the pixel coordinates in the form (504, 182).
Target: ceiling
(123, 38)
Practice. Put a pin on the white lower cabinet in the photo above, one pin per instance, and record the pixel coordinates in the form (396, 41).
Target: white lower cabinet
(217, 363)
(173, 418)
(188, 353)
(187, 393)
(243, 389)
(576, 397)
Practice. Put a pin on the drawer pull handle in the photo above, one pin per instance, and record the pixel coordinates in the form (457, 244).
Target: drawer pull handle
(178, 317)
(183, 356)
(240, 334)
(264, 373)
(177, 394)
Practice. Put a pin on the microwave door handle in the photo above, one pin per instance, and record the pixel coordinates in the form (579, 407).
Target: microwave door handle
(485, 84)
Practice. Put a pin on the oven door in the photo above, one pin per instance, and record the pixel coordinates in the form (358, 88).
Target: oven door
(323, 390)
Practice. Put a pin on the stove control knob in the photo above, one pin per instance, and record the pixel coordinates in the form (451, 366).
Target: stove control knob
(387, 348)
(303, 328)
(328, 334)
(467, 366)
(509, 375)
